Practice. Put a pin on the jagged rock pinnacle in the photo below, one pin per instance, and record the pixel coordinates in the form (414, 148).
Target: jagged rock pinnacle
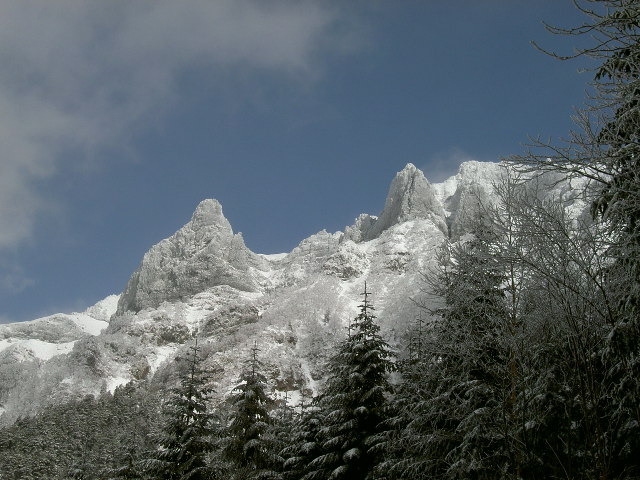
(410, 196)
(208, 212)
(203, 253)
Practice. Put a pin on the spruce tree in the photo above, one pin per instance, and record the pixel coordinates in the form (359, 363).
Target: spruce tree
(452, 419)
(246, 445)
(354, 402)
(186, 437)
(303, 443)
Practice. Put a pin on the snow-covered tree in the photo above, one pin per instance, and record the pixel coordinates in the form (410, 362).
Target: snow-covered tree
(473, 358)
(186, 437)
(455, 409)
(246, 444)
(353, 403)
(605, 151)
(303, 443)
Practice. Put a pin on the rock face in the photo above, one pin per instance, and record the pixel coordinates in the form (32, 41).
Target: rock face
(202, 254)
(466, 194)
(410, 197)
(203, 281)
(27, 347)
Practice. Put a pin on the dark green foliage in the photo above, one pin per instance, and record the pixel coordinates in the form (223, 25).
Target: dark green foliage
(303, 443)
(246, 445)
(473, 360)
(281, 436)
(353, 404)
(88, 438)
(454, 413)
(186, 436)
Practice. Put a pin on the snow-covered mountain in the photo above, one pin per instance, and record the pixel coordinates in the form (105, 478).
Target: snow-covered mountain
(203, 281)
(47, 337)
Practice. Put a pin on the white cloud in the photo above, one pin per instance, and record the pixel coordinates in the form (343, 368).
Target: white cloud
(77, 75)
(444, 164)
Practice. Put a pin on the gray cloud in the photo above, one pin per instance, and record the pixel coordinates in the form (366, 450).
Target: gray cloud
(79, 75)
(13, 279)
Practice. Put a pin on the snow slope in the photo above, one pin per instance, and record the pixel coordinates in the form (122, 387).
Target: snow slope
(56, 334)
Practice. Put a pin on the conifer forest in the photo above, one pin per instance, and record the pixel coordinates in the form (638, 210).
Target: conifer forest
(528, 368)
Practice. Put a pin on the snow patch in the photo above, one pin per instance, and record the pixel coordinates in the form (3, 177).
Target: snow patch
(115, 382)
(88, 324)
(5, 344)
(103, 309)
(161, 355)
(45, 350)
(273, 257)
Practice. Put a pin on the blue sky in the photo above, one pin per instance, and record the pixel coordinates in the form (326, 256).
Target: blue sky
(117, 118)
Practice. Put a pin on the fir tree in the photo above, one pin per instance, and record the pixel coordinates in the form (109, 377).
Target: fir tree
(354, 402)
(474, 318)
(303, 445)
(452, 419)
(186, 437)
(246, 445)
(281, 434)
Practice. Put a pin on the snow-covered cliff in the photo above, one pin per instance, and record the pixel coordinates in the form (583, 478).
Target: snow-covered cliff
(202, 254)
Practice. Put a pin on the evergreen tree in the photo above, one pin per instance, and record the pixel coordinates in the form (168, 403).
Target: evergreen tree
(354, 402)
(476, 359)
(89, 437)
(401, 457)
(246, 445)
(303, 442)
(281, 434)
(136, 414)
(186, 437)
(454, 404)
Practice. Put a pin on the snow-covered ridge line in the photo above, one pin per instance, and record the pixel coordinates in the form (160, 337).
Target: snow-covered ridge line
(46, 337)
(203, 281)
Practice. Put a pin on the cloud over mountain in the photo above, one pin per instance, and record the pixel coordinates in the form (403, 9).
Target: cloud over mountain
(79, 76)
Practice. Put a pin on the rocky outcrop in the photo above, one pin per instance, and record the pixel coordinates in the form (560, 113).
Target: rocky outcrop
(468, 193)
(358, 231)
(410, 197)
(202, 254)
(206, 253)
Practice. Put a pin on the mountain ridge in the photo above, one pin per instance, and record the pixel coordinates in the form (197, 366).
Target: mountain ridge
(203, 281)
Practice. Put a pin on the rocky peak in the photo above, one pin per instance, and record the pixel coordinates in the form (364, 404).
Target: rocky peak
(203, 253)
(468, 193)
(208, 213)
(410, 197)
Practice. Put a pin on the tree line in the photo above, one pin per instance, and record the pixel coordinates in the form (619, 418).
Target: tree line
(527, 368)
